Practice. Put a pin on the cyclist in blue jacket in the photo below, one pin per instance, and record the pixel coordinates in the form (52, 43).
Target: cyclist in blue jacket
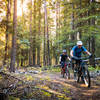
(76, 52)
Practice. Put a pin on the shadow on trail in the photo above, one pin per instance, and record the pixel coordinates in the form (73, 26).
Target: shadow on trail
(78, 91)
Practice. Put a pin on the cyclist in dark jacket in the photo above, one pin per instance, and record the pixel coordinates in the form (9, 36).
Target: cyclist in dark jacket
(63, 58)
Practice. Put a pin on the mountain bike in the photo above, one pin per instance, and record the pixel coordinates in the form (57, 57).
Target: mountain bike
(81, 71)
(65, 70)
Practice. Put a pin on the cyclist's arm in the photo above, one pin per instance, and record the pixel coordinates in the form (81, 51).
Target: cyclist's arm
(68, 58)
(87, 52)
(60, 59)
(71, 53)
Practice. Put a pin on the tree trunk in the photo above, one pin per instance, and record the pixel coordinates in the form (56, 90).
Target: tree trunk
(59, 22)
(93, 35)
(47, 33)
(48, 46)
(22, 9)
(4, 96)
(72, 25)
(39, 33)
(89, 23)
(44, 55)
(57, 28)
(14, 35)
(30, 50)
(22, 54)
(34, 35)
(7, 31)
(80, 24)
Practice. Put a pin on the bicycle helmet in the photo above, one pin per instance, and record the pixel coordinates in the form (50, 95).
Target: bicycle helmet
(64, 51)
(79, 43)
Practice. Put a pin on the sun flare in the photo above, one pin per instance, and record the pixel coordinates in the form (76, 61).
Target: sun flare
(20, 7)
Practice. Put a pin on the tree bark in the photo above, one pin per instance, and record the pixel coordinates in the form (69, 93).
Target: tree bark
(47, 33)
(22, 9)
(7, 31)
(14, 35)
(44, 50)
(39, 33)
(89, 23)
(93, 35)
(34, 35)
(80, 24)
(30, 50)
(4, 96)
(72, 25)
(57, 28)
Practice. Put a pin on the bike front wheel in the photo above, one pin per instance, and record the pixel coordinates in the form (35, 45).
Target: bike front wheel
(87, 79)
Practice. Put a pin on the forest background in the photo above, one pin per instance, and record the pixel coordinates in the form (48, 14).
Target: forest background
(34, 32)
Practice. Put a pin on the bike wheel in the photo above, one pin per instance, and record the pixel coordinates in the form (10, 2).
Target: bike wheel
(67, 74)
(76, 75)
(62, 73)
(87, 80)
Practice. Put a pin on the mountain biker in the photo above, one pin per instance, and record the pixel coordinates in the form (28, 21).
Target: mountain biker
(76, 53)
(63, 58)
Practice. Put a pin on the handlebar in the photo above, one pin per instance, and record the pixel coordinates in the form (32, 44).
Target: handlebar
(81, 58)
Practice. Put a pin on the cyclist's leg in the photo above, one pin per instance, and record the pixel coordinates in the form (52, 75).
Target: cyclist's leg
(67, 72)
(73, 66)
(73, 62)
(75, 69)
(62, 66)
(83, 67)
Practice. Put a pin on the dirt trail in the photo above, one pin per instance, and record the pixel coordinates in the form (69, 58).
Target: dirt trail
(78, 91)
(53, 83)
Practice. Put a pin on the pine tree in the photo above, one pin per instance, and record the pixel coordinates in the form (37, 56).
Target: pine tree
(13, 51)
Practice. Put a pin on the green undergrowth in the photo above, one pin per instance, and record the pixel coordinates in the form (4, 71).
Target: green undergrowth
(98, 68)
(60, 97)
(46, 93)
(93, 69)
(51, 69)
(13, 98)
(0, 77)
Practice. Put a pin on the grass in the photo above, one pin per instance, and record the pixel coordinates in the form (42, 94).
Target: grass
(97, 68)
(93, 69)
(29, 78)
(51, 69)
(13, 98)
(46, 94)
(0, 77)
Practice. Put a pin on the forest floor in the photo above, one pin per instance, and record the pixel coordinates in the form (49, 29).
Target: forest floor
(33, 84)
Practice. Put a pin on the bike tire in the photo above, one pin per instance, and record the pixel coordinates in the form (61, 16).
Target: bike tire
(62, 73)
(76, 75)
(67, 74)
(87, 79)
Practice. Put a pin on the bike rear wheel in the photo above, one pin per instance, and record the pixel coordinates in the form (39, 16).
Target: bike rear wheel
(62, 72)
(67, 74)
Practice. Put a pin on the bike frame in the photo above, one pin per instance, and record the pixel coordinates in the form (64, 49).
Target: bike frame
(82, 70)
(65, 69)
(66, 65)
